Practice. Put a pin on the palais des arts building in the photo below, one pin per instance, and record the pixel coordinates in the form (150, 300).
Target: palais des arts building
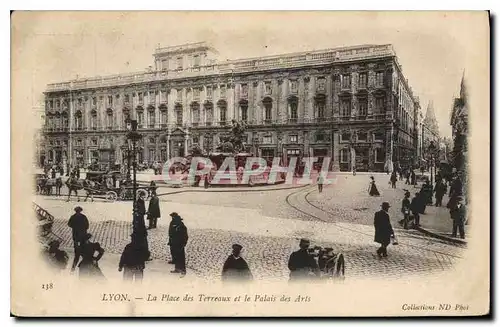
(351, 103)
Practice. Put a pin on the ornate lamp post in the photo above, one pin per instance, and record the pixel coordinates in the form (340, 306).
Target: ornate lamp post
(133, 137)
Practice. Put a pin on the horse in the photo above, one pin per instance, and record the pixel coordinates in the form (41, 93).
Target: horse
(75, 185)
(91, 188)
(46, 185)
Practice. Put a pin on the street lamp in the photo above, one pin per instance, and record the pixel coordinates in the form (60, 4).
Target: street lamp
(432, 148)
(133, 137)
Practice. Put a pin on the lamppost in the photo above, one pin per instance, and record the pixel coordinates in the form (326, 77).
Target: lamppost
(432, 148)
(133, 137)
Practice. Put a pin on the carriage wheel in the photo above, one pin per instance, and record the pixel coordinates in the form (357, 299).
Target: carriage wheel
(111, 196)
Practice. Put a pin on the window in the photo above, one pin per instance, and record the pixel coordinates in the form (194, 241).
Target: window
(379, 136)
(209, 91)
(152, 140)
(362, 136)
(163, 95)
(79, 142)
(179, 117)
(110, 100)
(163, 117)
(140, 95)
(196, 93)
(109, 120)
(117, 97)
(140, 118)
(222, 91)
(179, 63)
(94, 101)
(363, 80)
(164, 64)
(208, 114)
(244, 112)
(80, 101)
(294, 86)
(94, 142)
(223, 111)
(321, 84)
(127, 98)
(151, 119)
(379, 79)
(362, 107)
(379, 155)
(345, 107)
(244, 90)
(320, 136)
(51, 103)
(268, 112)
(268, 88)
(294, 138)
(93, 120)
(344, 155)
(379, 104)
(268, 139)
(179, 95)
(320, 109)
(196, 114)
(197, 61)
(58, 104)
(345, 137)
(346, 81)
(293, 110)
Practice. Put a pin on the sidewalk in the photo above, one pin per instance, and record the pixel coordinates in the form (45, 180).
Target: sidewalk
(437, 223)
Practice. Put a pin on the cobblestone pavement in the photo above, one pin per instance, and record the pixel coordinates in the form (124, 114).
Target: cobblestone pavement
(269, 225)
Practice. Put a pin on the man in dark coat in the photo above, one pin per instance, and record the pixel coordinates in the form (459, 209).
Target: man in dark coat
(383, 229)
(417, 207)
(153, 210)
(440, 190)
(178, 238)
(301, 263)
(140, 207)
(426, 191)
(79, 225)
(236, 268)
(413, 177)
(458, 214)
(405, 210)
(133, 260)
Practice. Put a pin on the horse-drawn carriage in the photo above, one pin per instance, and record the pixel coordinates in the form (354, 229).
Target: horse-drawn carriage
(44, 184)
(109, 185)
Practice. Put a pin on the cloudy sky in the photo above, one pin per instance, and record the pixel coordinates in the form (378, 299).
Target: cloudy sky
(433, 48)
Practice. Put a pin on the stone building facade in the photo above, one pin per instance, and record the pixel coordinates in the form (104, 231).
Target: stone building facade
(352, 104)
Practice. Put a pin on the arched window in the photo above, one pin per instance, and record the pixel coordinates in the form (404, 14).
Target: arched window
(140, 117)
(163, 115)
(293, 109)
(319, 107)
(151, 117)
(209, 114)
(178, 114)
(78, 120)
(195, 113)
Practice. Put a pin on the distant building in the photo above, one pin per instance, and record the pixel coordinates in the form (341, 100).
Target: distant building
(460, 124)
(352, 104)
(38, 135)
(430, 131)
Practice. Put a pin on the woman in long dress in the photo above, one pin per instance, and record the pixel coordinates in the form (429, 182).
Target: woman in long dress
(89, 266)
(372, 188)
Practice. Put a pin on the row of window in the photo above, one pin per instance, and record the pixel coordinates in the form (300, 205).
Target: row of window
(378, 155)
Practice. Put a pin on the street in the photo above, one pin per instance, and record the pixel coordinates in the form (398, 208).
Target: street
(268, 224)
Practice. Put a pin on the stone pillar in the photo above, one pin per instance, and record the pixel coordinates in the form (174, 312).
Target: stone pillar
(307, 99)
(283, 109)
(336, 90)
(186, 137)
(354, 99)
(370, 104)
(257, 103)
(329, 96)
(335, 152)
(230, 96)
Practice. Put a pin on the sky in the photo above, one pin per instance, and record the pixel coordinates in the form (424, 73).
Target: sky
(432, 48)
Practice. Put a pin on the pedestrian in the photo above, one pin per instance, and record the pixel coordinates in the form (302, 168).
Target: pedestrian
(393, 179)
(133, 260)
(140, 210)
(458, 215)
(79, 225)
(372, 187)
(152, 188)
(302, 264)
(405, 209)
(178, 237)
(416, 208)
(235, 267)
(153, 210)
(53, 173)
(205, 184)
(426, 191)
(413, 178)
(320, 181)
(440, 190)
(89, 266)
(383, 229)
(354, 170)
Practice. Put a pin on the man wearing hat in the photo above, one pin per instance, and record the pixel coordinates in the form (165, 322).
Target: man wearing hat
(383, 229)
(79, 225)
(178, 237)
(458, 214)
(301, 263)
(236, 268)
(133, 260)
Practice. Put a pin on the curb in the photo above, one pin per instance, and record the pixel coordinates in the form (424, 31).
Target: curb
(441, 236)
(222, 190)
